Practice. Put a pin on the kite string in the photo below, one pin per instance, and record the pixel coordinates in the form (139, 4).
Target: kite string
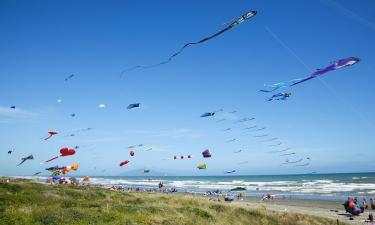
(329, 88)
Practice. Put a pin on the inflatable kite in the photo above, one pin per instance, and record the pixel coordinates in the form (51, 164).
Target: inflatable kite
(306, 164)
(183, 157)
(337, 65)
(280, 96)
(290, 162)
(13, 107)
(131, 106)
(131, 153)
(202, 166)
(207, 114)
(274, 145)
(69, 77)
(51, 133)
(133, 146)
(231, 140)
(258, 136)
(249, 128)
(286, 154)
(269, 140)
(278, 151)
(206, 154)
(30, 157)
(238, 151)
(10, 151)
(228, 129)
(124, 163)
(37, 173)
(230, 171)
(63, 152)
(244, 17)
(245, 120)
(66, 169)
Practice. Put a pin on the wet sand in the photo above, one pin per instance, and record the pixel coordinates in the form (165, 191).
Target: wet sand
(331, 209)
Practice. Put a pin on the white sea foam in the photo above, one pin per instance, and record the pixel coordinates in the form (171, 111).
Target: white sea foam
(312, 186)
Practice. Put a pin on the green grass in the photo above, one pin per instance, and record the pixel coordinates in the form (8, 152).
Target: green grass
(25, 202)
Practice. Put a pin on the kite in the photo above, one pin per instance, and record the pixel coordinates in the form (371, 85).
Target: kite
(238, 151)
(133, 146)
(306, 164)
(290, 162)
(37, 173)
(244, 162)
(73, 115)
(131, 153)
(69, 168)
(207, 114)
(221, 120)
(53, 168)
(13, 107)
(278, 144)
(11, 151)
(232, 112)
(85, 129)
(258, 136)
(263, 128)
(245, 120)
(182, 157)
(202, 166)
(293, 153)
(232, 140)
(228, 129)
(146, 171)
(86, 179)
(63, 152)
(69, 77)
(30, 157)
(230, 171)
(337, 65)
(269, 140)
(248, 128)
(280, 96)
(241, 19)
(51, 133)
(149, 149)
(284, 150)
(206, 154)
(135, 105)
(102, 106)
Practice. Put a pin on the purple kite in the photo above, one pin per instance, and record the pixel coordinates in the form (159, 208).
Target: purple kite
(337, 65)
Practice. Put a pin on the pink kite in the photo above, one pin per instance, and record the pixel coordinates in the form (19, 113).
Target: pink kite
(124, 162)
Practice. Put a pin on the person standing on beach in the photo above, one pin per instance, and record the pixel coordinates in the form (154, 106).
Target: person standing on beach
(161, 185)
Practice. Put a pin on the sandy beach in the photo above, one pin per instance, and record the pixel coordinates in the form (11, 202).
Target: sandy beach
(330, 209)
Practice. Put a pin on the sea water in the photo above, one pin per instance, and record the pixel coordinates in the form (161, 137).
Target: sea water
(303, 186)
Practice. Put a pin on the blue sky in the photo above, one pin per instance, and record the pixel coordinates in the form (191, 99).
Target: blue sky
(331, 120)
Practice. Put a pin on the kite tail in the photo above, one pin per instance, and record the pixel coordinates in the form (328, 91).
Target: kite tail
(47, 138)
(52, 159)
(175, 54)
(298, 81)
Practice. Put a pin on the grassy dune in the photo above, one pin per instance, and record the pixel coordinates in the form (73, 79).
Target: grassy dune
(25, 202)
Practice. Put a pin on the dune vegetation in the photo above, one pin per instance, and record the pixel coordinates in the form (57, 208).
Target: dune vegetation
(28, 202)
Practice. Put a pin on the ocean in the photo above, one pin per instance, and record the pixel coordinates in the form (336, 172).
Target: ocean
(305, 186)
